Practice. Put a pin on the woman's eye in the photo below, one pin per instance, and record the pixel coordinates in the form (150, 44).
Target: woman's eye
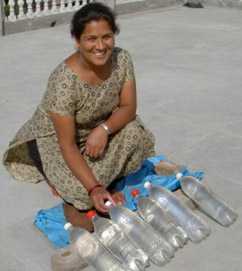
(91, 39)
(107, 37)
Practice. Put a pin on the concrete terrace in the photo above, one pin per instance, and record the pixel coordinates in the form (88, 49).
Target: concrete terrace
(189, 69)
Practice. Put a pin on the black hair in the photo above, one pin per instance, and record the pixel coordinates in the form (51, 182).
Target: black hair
(92, 12)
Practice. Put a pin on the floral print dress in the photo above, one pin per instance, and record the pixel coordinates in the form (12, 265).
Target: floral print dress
(67, 95)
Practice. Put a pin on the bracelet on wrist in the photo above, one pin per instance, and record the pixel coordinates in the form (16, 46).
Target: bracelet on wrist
(106, 128)
(93, 188)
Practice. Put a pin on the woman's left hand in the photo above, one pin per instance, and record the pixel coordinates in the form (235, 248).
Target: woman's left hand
(96, 142)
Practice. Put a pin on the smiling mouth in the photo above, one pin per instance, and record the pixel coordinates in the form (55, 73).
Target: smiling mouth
(100, 55)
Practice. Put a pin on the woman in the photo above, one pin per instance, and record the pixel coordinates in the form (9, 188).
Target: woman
(85, 133)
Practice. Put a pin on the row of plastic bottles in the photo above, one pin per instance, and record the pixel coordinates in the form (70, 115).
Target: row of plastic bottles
(130, 241)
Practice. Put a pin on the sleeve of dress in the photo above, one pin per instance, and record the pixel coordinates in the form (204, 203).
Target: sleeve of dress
(129, 67)
(60, 96)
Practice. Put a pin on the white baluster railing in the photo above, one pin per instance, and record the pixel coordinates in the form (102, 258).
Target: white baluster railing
(54, 7)
(20, 4)
(17, 10)
(29, 13)
(37, 8)
(46, 7)
(62, 6)
(12, 15)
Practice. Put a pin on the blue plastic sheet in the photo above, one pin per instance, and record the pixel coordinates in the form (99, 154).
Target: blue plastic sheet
(146, 173)
(51, 221)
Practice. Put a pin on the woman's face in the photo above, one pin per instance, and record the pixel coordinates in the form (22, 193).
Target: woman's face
(96, 42)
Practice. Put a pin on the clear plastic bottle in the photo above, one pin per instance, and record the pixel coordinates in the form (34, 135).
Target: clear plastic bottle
(195, 227)
(74, 232)
(162, 222)
(159, 220)
(67, 259)
(111, 236)
(167, 168)
(143, 235)
(207, 201)
(95, 254)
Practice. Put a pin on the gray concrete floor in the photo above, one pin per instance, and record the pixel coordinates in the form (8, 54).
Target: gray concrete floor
(189, 69)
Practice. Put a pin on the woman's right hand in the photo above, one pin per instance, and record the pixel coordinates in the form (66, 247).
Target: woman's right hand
(96, 142)
(99, 196)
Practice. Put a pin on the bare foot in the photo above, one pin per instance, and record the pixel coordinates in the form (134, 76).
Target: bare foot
(54, 192)
(52, 189)
(77, 218)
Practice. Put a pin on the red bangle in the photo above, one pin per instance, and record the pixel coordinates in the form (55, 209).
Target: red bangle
(93, 188)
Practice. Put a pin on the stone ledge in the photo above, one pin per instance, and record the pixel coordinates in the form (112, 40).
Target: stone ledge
(37, 23)
(236, 4)
(135, 6)
(63, 18)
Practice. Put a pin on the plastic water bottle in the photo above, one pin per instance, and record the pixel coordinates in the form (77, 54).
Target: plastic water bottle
(167, 168)
(207, 201)
(111, 236)
(95, 254)
(75, 232)
(142, 234)
(195, 227)
(67, 259)
(159, 220)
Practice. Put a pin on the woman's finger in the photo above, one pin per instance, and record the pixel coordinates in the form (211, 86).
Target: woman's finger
(106, 197)
(87, 151)
(96, 153)
(118, 197)
(101, 152)
(99, 197)
(110, 198)
(92, 152)
(98, 201)
(101, 206)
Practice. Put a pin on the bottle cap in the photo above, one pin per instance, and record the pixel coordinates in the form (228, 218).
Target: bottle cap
(179, 175)
(135, 193)
(108, 203)
(147, 185)
(68, 226)
(90, 214)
